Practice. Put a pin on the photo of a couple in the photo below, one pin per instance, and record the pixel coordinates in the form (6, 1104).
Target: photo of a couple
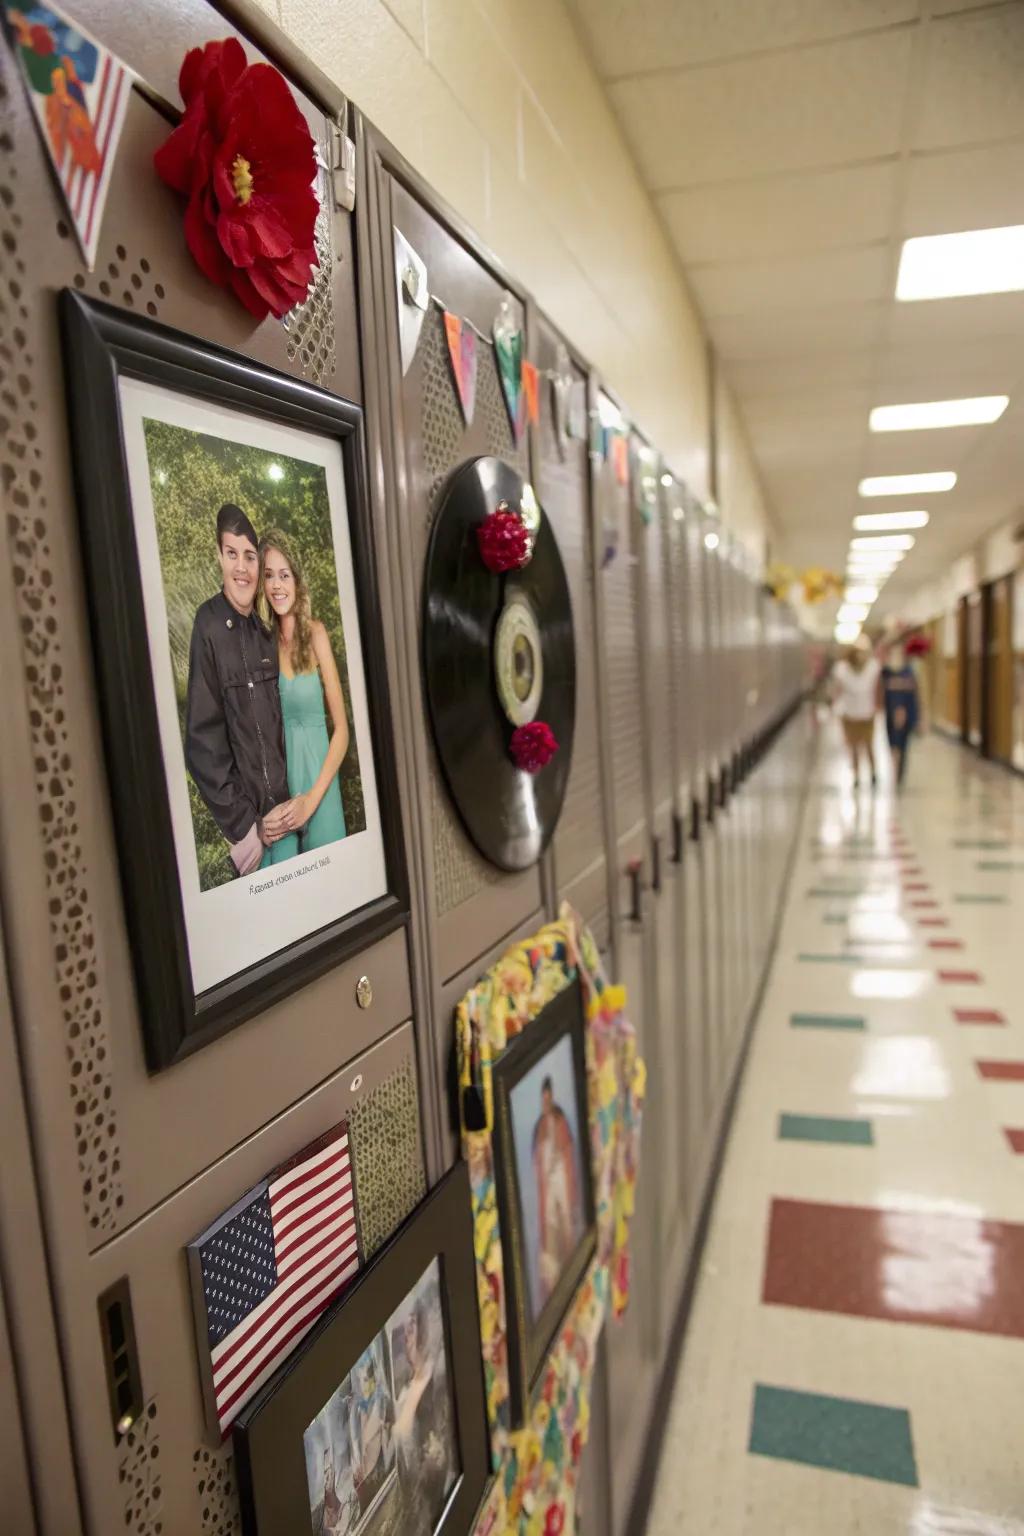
(260, 677)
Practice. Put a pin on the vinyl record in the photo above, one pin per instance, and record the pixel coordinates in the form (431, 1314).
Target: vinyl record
(498, 651)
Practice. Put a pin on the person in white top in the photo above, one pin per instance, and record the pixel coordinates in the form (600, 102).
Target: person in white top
(855, 690)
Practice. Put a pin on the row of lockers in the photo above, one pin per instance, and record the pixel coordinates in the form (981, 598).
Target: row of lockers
(671, 841)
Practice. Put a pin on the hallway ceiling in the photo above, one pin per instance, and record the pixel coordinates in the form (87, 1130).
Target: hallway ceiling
(790, 147)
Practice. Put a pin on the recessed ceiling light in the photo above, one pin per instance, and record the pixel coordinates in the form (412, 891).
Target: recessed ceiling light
(885, 560)
(883, 542)
(877, 522)
(907, 485)
(711, 541)
(969, 262)
(865, 594)
(850, 613)
(846, 634)
(938, 413)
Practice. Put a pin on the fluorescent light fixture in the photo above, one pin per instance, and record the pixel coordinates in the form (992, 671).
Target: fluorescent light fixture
(863, 594)
(956, 266)
(846, 634)
(872, 563)
(853, 613)
(711, 541)
(925, 417)
(907, 485)
(889, 522)
(883, 541)
(666, 480)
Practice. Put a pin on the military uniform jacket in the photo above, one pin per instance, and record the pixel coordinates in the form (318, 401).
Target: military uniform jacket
(234, 738)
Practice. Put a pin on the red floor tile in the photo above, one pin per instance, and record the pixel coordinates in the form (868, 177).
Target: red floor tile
(897, 1266)
(960, 978)
(945, 944)
(1015, 1138)
(934, 922)
(915, 887)
(921, 906)
(1001, 1071)
(978, 1016)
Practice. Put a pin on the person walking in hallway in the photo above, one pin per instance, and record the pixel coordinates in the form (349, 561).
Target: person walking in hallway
(900, 699)
(855, 690)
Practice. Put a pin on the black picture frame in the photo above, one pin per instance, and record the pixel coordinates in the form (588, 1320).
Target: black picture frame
(268, 1434)
(528, 1343)
(103, 344)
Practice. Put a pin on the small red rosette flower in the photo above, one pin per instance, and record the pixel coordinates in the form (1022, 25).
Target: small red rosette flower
(244, 157)
(554, 1521)
(532, 746)
(504, 541)
(918, 645)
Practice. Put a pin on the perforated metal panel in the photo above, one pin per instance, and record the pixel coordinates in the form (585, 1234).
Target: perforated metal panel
(562, 484)
(622, 651)
(654, 555)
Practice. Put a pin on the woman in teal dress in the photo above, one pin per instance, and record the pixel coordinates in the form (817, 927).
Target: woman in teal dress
(308, 679)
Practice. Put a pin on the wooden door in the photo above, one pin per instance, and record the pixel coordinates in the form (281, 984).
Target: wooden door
(998, 663)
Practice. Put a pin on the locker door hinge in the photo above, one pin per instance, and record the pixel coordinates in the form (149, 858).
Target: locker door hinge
(343, 163)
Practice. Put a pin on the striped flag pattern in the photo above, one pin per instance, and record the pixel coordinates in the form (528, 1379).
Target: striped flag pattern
(79, 93)
(270, 1266)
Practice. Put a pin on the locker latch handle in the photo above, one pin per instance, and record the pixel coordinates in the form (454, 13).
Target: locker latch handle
(634, 869)
(656, 864)
(678, 838)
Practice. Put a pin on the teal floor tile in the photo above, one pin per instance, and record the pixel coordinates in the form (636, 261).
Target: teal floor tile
(840, 892)
(854, 1133)
(979, 898)
(830, 959)
(991, 845)
(1001, 864)
(827, 1021)
(835, 917)
(837, 1433)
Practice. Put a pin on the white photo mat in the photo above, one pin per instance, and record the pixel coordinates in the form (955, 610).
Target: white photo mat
(235, 926)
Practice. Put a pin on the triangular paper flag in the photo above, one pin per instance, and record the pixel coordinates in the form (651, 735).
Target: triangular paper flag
(79, 95)
(413, 297)
(620, 458)
(462, 352)
(508, 352)
(530, 391)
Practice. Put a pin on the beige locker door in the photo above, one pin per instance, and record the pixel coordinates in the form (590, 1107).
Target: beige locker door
(633, 1360)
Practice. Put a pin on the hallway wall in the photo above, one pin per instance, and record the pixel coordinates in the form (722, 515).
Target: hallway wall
(525, 148)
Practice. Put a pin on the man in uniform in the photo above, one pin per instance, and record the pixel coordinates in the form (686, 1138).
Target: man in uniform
(234, 738)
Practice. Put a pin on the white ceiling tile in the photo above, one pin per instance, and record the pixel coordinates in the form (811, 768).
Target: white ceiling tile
(973, 79)
(782, 112)
(964, 189)
(770, 378)
(903, 453)
(958, 321)
(784, 333)
(781, 216)
(793, 282)
(629, 36)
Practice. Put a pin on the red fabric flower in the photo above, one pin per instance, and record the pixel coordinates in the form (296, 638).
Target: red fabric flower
(532, 746)
(918, 645)
(576, 1445)
(555, 1521)
(504, 541)
(243, 156)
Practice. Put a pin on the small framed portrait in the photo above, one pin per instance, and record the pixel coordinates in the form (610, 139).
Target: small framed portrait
(236, 625)
(544, 1180)
(377, 1425)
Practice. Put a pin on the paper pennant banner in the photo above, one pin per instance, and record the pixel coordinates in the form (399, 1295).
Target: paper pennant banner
(79, 94)
(561, 389)
(462, 352)
(577, 418)
(530, 391)
(508, 352)
(413, 297)
(620, 458)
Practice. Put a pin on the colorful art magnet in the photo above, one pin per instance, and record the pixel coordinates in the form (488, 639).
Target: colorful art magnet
(646, 484)
(508, 352)
(577, 423)
(530, 392)
(413, 297)
(79, 95)
(462, 353)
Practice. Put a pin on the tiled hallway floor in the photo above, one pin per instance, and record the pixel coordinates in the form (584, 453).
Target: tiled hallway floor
(854, 1360)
